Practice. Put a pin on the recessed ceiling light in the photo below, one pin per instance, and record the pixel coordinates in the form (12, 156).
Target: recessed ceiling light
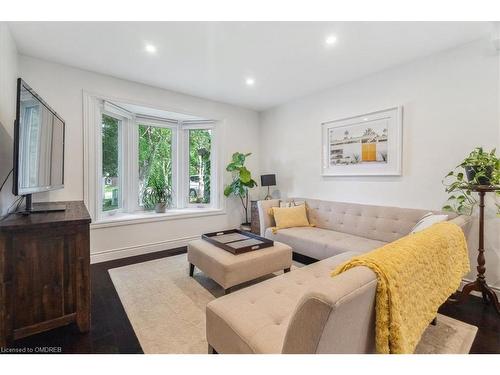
(150, 48)
(331, 40)
(250, 81)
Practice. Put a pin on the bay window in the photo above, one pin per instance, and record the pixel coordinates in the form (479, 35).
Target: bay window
(138, 152)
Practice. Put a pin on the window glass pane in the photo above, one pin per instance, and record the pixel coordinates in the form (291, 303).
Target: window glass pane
(111, 195)
(199, 165)
(155, 166)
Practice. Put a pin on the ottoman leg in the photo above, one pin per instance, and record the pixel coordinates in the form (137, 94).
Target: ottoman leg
(191, 269)
(211, 350)
(287, 270)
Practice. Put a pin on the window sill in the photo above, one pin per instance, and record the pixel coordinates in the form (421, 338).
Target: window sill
(140, 217)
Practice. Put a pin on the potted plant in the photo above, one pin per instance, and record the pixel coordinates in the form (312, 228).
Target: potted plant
(481, 168)
(157, 196)
(242, 181)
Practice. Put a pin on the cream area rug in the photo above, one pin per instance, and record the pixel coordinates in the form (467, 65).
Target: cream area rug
(166, 308)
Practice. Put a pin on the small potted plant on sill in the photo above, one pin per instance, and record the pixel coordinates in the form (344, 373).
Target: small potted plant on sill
(481, 168)
(242, 182)
(157, 196)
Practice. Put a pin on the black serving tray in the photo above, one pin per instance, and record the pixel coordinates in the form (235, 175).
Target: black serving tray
(237, 241)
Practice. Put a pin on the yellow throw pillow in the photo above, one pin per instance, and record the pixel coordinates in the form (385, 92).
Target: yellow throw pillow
(290, 217)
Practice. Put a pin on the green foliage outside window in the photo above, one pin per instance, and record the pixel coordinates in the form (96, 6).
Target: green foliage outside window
(109, 146)
(155, 165)
(110, 162)
(200, 143)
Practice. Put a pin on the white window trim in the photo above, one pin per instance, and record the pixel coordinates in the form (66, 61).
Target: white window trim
(214, 185)
(122, 164)
(92, 112)
(173, 125)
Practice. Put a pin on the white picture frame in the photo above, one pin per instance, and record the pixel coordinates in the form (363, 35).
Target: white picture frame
(370, 144)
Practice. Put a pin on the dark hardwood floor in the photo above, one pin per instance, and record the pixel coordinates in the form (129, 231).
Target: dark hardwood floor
(111, 331)
(475, 312)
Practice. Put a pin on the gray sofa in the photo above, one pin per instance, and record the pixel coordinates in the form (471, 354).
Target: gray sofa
(307, 310)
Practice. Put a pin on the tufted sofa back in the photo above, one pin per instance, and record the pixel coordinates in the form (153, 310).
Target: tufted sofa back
(380, 223)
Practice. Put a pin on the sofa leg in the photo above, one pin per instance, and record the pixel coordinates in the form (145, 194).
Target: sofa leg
(286, 270)
(191, 269)
(211, 350)
(434, 321)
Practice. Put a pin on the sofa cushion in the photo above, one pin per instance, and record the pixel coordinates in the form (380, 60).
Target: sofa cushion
(321, 243)
(290, 217)
(255, 319)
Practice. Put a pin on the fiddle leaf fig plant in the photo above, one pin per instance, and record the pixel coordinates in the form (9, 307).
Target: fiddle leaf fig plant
(242, 180)
(479, 168)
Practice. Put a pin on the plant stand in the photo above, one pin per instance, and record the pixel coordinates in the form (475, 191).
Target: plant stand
(480, 284)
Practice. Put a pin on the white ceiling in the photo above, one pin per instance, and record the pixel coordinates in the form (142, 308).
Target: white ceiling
(213, 59)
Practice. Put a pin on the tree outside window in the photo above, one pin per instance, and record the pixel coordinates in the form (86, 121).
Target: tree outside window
(155, 161)
(200, 143)
(110, 163)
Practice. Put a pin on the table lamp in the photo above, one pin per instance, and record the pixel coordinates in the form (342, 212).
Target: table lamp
(268, 180)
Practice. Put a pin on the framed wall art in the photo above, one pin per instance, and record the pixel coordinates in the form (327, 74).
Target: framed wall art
(365, 145)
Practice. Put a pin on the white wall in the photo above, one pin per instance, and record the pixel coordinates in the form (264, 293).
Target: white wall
(8, 77)
(61, 86)
(450, 106)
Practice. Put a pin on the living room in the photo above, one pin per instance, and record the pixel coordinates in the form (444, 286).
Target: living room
(247, 187)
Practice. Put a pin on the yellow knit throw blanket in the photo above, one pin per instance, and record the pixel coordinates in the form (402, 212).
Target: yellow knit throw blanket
(416, 274)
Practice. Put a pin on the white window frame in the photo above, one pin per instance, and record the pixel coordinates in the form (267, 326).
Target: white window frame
(184, 160)
(131, 212)
(159, 123)
(124, 123)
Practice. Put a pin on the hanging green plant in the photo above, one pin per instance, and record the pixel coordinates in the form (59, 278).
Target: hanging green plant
(479, 168)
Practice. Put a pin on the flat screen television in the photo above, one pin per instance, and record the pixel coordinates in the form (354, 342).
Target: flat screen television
(38, 147)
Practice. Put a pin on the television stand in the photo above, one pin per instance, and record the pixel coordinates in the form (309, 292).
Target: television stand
(44, 272)
(41, 207)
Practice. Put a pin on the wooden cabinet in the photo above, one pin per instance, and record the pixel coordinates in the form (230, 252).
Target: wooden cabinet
(44, 272)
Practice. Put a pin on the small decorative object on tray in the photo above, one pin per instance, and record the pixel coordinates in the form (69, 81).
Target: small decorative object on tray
(236, 241)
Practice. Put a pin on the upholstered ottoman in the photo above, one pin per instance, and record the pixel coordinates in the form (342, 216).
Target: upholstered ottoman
(229, 270)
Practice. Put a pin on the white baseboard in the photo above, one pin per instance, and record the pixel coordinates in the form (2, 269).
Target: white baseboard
(129, 251)
(477, 294)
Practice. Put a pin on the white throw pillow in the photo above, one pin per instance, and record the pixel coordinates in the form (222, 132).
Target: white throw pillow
(427, 220)
(286, 204)
(291, 203)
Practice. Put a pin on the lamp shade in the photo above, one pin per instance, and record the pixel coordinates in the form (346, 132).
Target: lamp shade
(268, 180)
